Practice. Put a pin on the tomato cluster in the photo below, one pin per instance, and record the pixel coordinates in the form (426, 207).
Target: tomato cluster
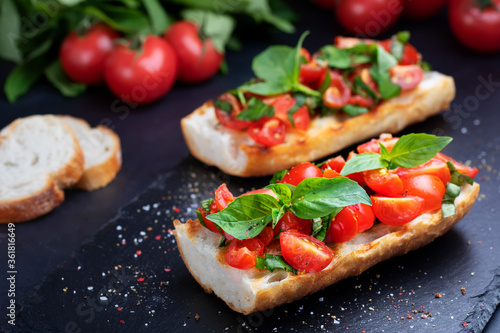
(398, 196)
(476, 24)
(142, 69)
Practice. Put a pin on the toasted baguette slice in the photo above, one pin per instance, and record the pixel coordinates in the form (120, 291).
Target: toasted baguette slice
(39, 156)
(235, 153)
(247, 291)
(102, 150)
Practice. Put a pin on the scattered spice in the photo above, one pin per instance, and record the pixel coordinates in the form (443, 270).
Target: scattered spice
(462, 290)
(438, 295)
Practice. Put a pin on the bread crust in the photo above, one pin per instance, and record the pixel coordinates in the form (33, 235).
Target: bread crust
(234, 153)
(267, 290)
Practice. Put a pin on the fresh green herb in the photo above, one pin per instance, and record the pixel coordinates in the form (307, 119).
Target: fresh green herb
(205, 204)
(283, 191)
(325, 225)
(337, 58)
(255, 110)
(353, 110)
(426, 66)
(223, 241)
(363, 162)
(458, 178)
(223, 105)
(361, 88)
(380, 73)
(398, 44)
(55, 74)
(453, 189)
(272, 262)
(278, 176)
(200, 218)
(403, 36)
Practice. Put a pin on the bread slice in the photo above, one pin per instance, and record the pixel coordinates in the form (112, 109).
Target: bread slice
(235, 153)
(39, 156)
(247, 291)
(102, 150)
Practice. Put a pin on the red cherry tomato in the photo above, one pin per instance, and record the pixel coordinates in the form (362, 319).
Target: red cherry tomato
(267, 131)
(312, 74)
(422, 9)
(373, 145)
(478, 29)
(336, 163)
(243, 254)
(223, 197)
(304, 252)
(210, 225)
(338, 94)
(266, 236)
(283, 104)
(83, 57)
(434, 166)
(397, 211)
(368, 17)
(410, 54)
(199, 60)
(361, 100)
(289, 221)
(343, 227)
(462, 168)
(329, 173)
(365, 216)
(229, 119)
(428, 187)
(141, 76)
(407, 77)
(300, 172)
(384, 182)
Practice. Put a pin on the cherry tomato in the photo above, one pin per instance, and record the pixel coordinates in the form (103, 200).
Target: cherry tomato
(358, 177)
(336, 163)
(267, 131)
(263, 191)
(407, 77)
(329, 173)
(300, 172)
(337, 95)
(229, 119)
(478, 29)
(210, 225)
(304, 252)
(434, 166)
(384, 182)
(243, 254)
(223, 197)
(289, 221)
(266, 236)
(343, 227)
(141, 76)
(422, 9)
(347, 42)
(410, 54)
(368, 17)
(428, 187)
(199, 60)
(83, 57)
(373, 145)
(361, 100)
(305, 54)
(365, 216)
(397, 211)
(462, 168)
(312, 74)
(283, 104)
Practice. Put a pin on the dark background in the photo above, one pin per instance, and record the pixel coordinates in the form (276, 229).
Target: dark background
(153, 145)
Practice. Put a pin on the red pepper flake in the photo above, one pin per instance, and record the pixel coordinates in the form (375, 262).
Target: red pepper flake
(169, 231)
(120, 308)
(177, 209)
(122, 321)
(138, 252)
(480, 242)
(464, 324)
(141, 279)
(158, 237)
(167, 270)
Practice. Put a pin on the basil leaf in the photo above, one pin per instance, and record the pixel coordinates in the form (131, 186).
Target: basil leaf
(267, 88)
(353, 110)
(255, 110)
(386, 88)
(403, 36)
(363, 89)
(123, 19)
(157, 16)
(23, 76)
(276, 63)
(363, 162)
(200, 218)
(223, 241)
(223, 105)
(426, 66)
(337, 58)
(277, 214)
(62, 82)
(317, 225)
(326, 83)
(448, 208)
(458, 178)
(246, 216)
(278, 176)
(283, 191)
(448, 204)
(272, 262)
(414, 149)
(397, 48)
(327, 221)
(10, 29)
(317, 197)
(384, 60)
(205, 204)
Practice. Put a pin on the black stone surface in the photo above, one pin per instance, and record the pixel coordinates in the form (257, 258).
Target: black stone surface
(60, 282)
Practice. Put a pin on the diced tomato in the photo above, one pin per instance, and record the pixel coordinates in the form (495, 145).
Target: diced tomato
(434, 166)
(282, 104)
(329, 173)
(397, 211)
(337, 95)
(358, 177)
(312, 74)
(289, 221)
(300, 172)
(210, 225)
(243, 254)
(410, 55)
(229, 119)
(373, 146)
(407, 77)
(305, 54)
(336, 163)
(359, 100)
(428, 187)
(267, 131)
(384, 182)
(462, 168)
(266, 236)
(365, 216)
(304, 252)
(262, 191)
(213, 207)
(343, 227)
(223, 197)
(348, 42)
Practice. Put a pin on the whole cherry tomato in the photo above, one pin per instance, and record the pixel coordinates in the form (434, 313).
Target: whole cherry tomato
(477, 28)
(428, 187)
(300, 172)
(419, 10)
(83, 57)
(243, 254)
(199, 60)
(141, 75)
(368, 17)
